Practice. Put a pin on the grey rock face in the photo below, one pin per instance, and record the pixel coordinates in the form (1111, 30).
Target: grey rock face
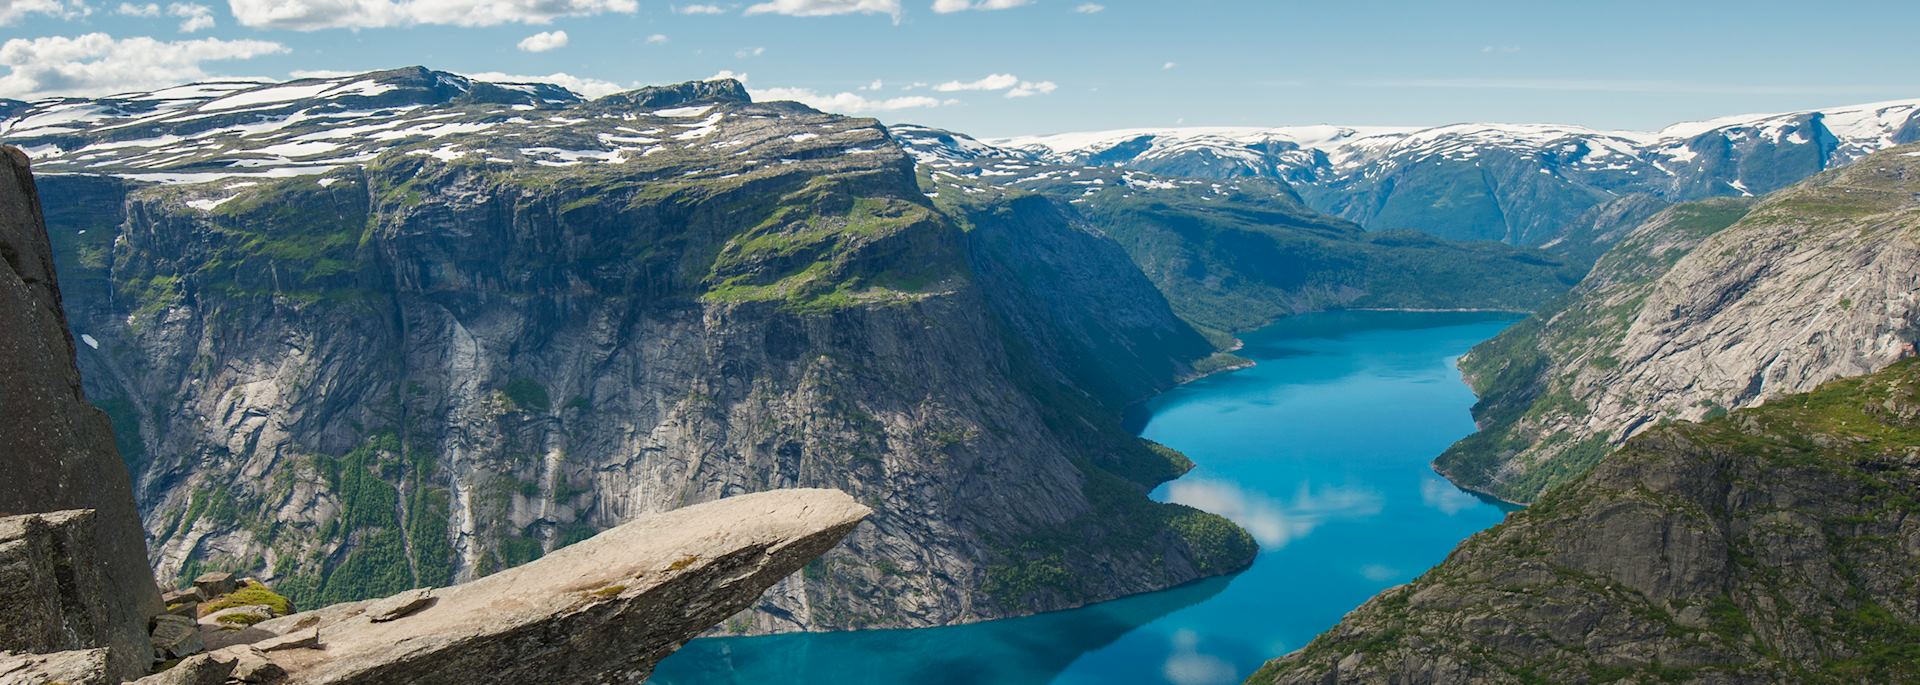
(58, 451)
(601, 611)
(1697, 313)
(1775, 545)
(77, 667)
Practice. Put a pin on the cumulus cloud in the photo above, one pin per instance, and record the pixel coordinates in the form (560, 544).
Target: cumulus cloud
(848, 103)
(588, 87)
(1168, 66)
(312, 15)
(825, 8)
(99, 64)
(544, 41)
(725, 74)
(949, 6)
(132, 10)
(699, 9)
(1014, 87)
(13, 10)
(988, 82)
(657, 38)
(193, 17)
(1031, 88)
(744, 53)
(1090, 8)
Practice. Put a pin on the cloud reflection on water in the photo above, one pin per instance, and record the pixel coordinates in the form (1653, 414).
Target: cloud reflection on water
(1443, 496)
(1273, 522)
(1187, 666)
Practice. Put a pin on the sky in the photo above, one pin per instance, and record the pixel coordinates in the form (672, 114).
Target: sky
(996, 68)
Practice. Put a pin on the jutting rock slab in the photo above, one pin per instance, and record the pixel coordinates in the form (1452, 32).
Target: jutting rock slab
(605, 610)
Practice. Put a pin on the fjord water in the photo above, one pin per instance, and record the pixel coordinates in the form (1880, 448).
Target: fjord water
(1321, 451)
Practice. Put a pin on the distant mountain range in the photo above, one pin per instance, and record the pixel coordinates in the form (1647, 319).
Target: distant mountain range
(1567, 188)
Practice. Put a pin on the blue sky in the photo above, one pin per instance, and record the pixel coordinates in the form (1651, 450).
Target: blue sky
(1069, 64)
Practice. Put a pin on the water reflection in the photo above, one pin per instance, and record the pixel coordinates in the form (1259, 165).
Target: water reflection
(1274, 523)
(1023, 650)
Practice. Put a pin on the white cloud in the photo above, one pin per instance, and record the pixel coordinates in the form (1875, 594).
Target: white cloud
(699, 9)
(1015, 87)
(1168, 66)
(311, 15)
(193, 17)
(988, 82)
(1090, 8)
(12, 10)
(132, 10)
(98, 64)
(588, 87)
(948, 6)
(848, 103)
(825, 8)
(744, 53)
(544, 41)
(728, 74)
(657, 38)
(1031, 88)
(876, 85)
(323, 73)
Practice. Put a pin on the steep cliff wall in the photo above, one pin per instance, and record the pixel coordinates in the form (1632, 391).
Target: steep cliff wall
(58, 450)
(474, 350)
(1705, 308)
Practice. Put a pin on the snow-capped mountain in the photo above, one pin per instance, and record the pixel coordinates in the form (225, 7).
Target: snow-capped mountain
(239, 130)
(1530, 184)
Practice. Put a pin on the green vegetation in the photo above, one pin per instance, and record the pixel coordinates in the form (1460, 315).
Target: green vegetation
(251, 594)
(527, 394)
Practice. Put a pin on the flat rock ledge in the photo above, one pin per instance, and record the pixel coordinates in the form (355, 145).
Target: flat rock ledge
(604, 610)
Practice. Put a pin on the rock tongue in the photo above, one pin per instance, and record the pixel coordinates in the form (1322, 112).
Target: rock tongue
(623, 600)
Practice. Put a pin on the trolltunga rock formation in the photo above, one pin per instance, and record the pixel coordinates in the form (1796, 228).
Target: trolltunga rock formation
(605, 610)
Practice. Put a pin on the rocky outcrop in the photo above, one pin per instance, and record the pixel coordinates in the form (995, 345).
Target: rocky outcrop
(603, 610)
(1706, 308)
(1777, 544)
(55, 594)
(58, 450)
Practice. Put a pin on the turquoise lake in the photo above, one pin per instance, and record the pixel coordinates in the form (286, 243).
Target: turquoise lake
(1321, 450)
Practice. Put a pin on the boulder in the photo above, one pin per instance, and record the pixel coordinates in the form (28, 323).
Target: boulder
(77, 667)
(400, 605)
(176, 636)
(54, 593)
(253, 666)
(200, 669)
(57, 449)
(190, 595)
(605, 609)
(216, 583)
